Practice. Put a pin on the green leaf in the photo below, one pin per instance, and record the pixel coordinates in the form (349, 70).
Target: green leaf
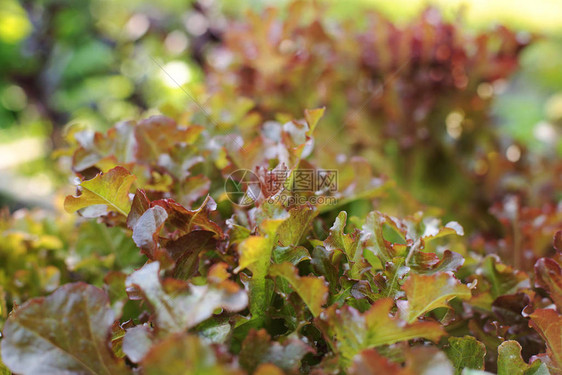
(322, 264)
(3, 369)
(256, 251)
(429, 263)
(465, 352)
(428, 292)
(350, 332)
(178, 305)
(270, 217)
(338, 240)
(193, 188)
(66, 332)
(291, 254)
(258, 348)
(312, 116)
(292, 230)
(255, 254)
(110, 189)
(548, 323)
(116, 291)
(349, 244)
(511, 363)
(434, 230)
(312, 290)
(503, 279)
(147, 229)
(383, 329)
(549, 276)
(96, 238)
(372, 237)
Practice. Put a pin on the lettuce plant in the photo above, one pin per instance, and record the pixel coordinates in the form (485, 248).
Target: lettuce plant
(191, 246)
(269, 287)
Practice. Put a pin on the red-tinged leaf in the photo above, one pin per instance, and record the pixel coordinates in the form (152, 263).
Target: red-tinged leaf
(109, 189)
(185, 251)
(369, 361)
(429, 263)
(139, 206)
(549, 277)
(338, 240)
(184, 354)
(350, 332)
(147, 229)
(548, 323)
(185, 221)
(123, 142)
(557, 243)
(6, 371)
(118, 145)
(218, 272)
(137, 342)
(427, 360)
(178, 305)
(193, 188)
(428, 292)
(66, 332)
(312, 290)
(418, 360)
(157, 135)
(372, 237)
(385, 329)
(254, 349)
(258, 348)
(117, 334)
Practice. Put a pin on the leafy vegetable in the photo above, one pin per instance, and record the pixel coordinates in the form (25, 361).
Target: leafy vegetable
(466, 352)
(426, 293)
(209, 256)
(312, 290)
(178, 305)
(510, 361)
(109, 189)
(67, 331)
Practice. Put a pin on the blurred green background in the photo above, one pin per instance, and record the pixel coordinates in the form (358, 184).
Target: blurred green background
(93, 63)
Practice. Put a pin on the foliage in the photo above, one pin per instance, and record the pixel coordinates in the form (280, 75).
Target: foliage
(162, 272)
